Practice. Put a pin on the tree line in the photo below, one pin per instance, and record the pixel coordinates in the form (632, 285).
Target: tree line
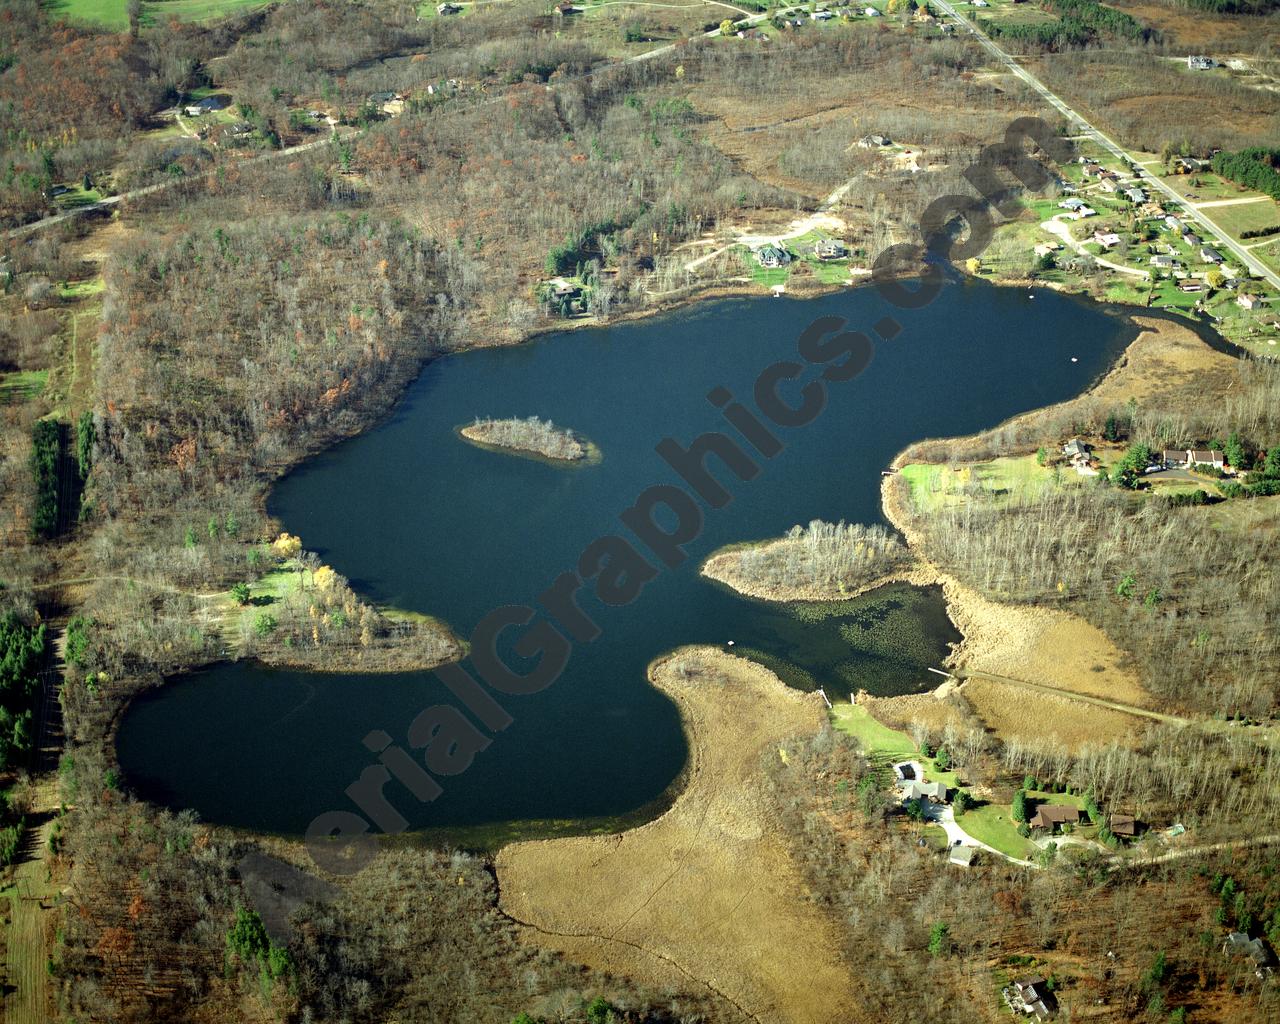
(1253, 168)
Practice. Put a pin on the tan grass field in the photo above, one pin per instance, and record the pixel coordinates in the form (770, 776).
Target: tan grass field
(709, 892)
(1041, 645)
(1015, 713)
(938, 709)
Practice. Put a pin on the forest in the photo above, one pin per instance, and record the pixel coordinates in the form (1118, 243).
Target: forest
(1079, 23)
(1253, 168)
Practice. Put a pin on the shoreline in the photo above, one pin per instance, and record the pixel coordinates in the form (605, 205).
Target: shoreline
(591, 454)
(718, 568)
(1000, 635)
(960, 601)
(707, 890)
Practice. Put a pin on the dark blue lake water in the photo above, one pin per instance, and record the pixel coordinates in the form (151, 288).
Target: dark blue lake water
(421, 520)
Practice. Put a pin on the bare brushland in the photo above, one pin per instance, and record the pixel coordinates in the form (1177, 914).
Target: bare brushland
(710, 891)
(818, 562)
(530, 436)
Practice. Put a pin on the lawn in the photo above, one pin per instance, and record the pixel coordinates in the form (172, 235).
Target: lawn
(769, 278)
(21, 385)
(1207, 186)
(882, 744)
(1244, 216)
(111, 13)
(856, 721)
(935, 485)
(82, 289)
(991, 824)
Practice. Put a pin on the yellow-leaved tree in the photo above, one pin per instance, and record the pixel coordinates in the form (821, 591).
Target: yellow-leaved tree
(286, 546)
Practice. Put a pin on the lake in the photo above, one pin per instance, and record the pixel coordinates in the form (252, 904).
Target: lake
(419, 519)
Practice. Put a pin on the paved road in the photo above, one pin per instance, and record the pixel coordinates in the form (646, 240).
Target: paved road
(1088, 130)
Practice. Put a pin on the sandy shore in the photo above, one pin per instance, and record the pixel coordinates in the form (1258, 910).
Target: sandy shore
(708, 894)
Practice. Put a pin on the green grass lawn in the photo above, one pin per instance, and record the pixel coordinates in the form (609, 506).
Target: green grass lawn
(82, 289)
(1244, 216)
(111, 13)
(22, 384)
(991, 824)
(769, 278)
(1207, 185)
(856, 721)
(880, 743)
(933, 486)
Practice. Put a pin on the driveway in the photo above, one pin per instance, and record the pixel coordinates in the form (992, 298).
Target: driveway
(1055, 226)
(937, 814)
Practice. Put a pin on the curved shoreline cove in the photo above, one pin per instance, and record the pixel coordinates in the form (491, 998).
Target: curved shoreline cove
(418, 521)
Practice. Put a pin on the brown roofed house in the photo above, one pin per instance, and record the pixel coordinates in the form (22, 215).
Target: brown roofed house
(1124, 825)
(1203, 458)
(1033, 997)
(1050, 816)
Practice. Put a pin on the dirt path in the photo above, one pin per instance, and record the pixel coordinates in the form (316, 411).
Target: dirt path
(1232, 202)
(26, 978)
(1057, 691)
(709, 892)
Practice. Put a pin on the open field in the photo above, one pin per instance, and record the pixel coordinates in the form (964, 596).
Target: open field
(1145, 101)
(1240, 217)
(21, 385)
(1199, 31)
(936, 485)
(111, 13)
(709, 892)
(1033, 716)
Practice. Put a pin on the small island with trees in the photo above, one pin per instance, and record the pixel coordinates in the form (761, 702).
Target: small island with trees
(820, 562)
(531, 437)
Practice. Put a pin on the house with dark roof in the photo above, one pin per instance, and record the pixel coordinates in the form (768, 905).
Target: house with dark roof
(1052, 816)
(1239, 944)
(915, 789)
(1197, 457)
(207, 105)
(772, 257)
(1033, 997)
(1123, 825)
